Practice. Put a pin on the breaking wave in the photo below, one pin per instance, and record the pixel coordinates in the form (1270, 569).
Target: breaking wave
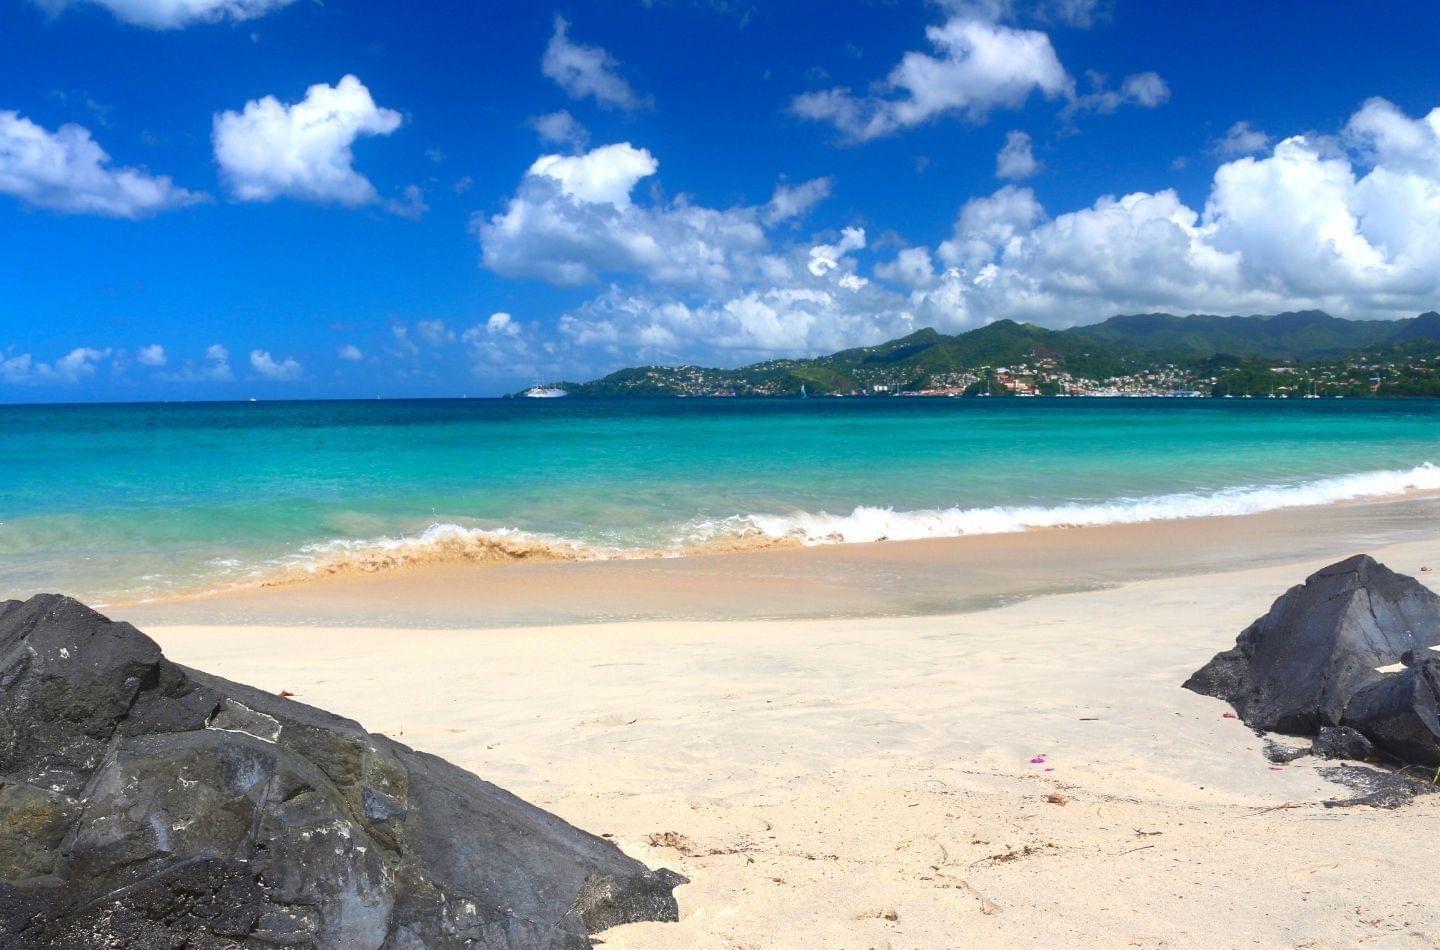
(866, 524)
(452, 543)
(437, 544)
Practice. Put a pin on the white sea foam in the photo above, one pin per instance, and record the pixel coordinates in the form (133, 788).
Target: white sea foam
(448, 543)
(886, 524)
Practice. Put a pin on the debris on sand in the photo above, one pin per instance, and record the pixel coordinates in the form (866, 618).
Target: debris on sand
(1016, 854)
(681, 843)
(674, 839)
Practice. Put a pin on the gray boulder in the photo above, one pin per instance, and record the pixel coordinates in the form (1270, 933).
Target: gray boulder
(1295, 669)
(144, 804)
(1401, 713)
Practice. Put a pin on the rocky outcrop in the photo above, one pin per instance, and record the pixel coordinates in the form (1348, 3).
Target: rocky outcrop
(1401, 713)
(1296, 668)
(144, 804)
(1312, 665)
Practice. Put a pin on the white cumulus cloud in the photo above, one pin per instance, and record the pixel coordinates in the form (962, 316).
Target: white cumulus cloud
(172, 14)
(1077, 13)
(587, 71)
(1348, 223)
(912, 267)
(24, 370)
(606, 175)
(267, 367)
(561, 128)
(152, 355)
(826, 257)
(1016, 159)
(574, 218)
(213, 367)
(503, 342)
(1384, 135)
(434, 332)
(807, 316)
(67, 171)
(270, 149)
(796, 201)
(499, 324)
(978, 66)
(410, 205)
(350, 353)
(1242, 139)
(1145, 90)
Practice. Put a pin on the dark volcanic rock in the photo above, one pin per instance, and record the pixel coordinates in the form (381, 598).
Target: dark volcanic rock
(1295, 669)
(1341, 742)
(143, 804)
(1401, 713)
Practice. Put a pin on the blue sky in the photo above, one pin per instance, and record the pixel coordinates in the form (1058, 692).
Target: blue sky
(282, 198)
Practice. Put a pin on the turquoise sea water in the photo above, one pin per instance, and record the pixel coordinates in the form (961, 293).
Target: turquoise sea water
(138, 501)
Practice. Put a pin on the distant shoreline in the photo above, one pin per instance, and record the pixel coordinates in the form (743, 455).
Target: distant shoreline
(1305, 354)
(575, 398)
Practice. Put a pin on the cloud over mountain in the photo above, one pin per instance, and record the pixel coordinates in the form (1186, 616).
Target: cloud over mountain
(1349, 223)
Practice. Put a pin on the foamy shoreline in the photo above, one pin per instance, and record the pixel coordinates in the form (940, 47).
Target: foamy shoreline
(443, 542)
(891, 578)
(871, 782)
(446, 543)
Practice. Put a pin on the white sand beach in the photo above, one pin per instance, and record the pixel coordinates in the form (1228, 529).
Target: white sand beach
(872, 782)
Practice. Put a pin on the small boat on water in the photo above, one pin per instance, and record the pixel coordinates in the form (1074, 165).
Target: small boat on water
(545, 392)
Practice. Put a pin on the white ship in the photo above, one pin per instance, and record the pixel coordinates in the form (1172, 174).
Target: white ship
(545, 392)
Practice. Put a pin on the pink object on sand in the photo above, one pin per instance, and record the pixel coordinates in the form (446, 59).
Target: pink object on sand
(1038, 760)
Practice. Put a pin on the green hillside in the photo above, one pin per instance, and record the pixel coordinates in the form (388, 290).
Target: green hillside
(1162, 351)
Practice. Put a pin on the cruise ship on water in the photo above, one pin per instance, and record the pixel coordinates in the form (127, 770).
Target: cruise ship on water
(545, 392)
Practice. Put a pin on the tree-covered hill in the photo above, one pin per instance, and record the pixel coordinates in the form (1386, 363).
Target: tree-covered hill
(1199, 351)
